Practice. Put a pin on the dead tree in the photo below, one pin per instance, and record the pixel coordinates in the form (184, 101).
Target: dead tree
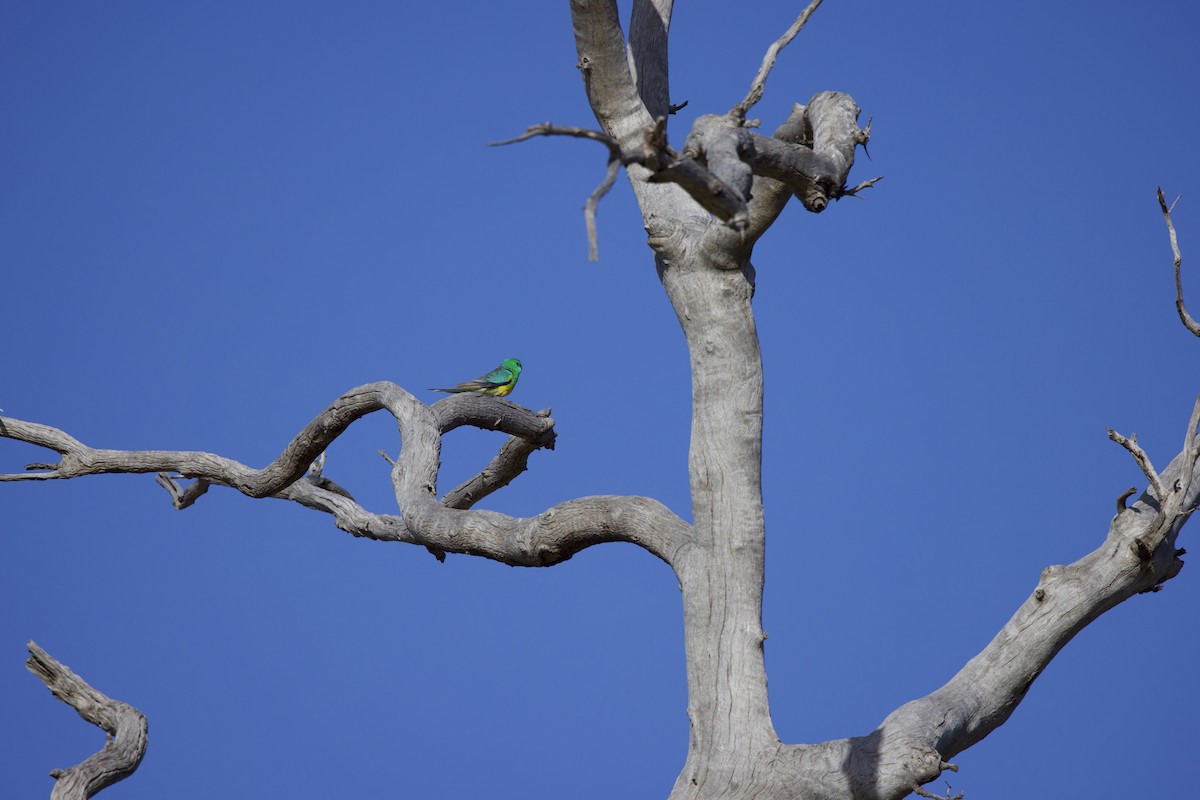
(704, 208)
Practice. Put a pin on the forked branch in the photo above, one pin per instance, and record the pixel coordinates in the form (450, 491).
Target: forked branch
(125, 725)
(725, 168)
(1130, 443)
(912, 745)
(664, 164)
(447, 526)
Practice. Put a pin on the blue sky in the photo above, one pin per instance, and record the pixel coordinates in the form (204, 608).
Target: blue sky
(218, 217)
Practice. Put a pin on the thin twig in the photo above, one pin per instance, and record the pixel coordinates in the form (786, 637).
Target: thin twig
(593, 201)
(665, 166)
(760, 79)
(1188, 322)
(1139, 455)
(550, 129)
(615, 160)
(864, 185)
(923, 793)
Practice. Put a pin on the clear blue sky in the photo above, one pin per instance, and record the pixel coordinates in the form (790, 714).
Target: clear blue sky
(218, 217)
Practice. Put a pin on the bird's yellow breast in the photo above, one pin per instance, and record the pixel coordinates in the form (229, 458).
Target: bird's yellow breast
(500, 391)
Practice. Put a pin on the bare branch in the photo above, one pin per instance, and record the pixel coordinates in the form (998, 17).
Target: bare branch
(593, 201)
(665, 165)
(737, 174)
(808, 157)
(1139, 455)
(615, 160)
(923, 793)
(125, 725)
(1184, 316)
(1137, 556)
(714, 195)
(182, 497)
(768, 62)
(511, 461)
(864, 185)
(549, 538)
(550, 129)
(78, 459)
(913, 745)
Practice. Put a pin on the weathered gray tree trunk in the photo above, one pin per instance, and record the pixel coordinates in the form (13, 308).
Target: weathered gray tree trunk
(706, 271)
(704, 208)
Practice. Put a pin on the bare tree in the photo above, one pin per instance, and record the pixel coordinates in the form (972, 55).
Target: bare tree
(704, 208)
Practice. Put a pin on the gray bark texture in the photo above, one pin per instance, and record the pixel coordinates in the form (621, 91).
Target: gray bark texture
(125, 725)
(703, 207)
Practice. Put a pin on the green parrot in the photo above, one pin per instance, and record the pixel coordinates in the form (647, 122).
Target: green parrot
(497, 383)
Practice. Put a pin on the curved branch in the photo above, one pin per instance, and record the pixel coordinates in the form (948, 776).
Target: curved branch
(77, 459)
(1130, 443)
(544, 540)
(615, 159)
(126, 727)
(663, 165)
(510, 462)
(809, 157)
(770, 196)
(1184, 316)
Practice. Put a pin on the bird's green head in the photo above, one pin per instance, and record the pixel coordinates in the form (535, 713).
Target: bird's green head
(513, 365)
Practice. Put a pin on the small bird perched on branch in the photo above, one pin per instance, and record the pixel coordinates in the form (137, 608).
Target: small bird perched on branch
(497, 383)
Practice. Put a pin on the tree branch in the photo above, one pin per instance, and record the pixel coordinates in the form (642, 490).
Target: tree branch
(664, 165)
(809, 157)
(1137, 556)
(1184, 316)
(78, 459)
(125, 725)
(737, 175)
(917, 790)
(549, 538)
(510, 462)
(615, 159)
(1139, 455)
(760, 79)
